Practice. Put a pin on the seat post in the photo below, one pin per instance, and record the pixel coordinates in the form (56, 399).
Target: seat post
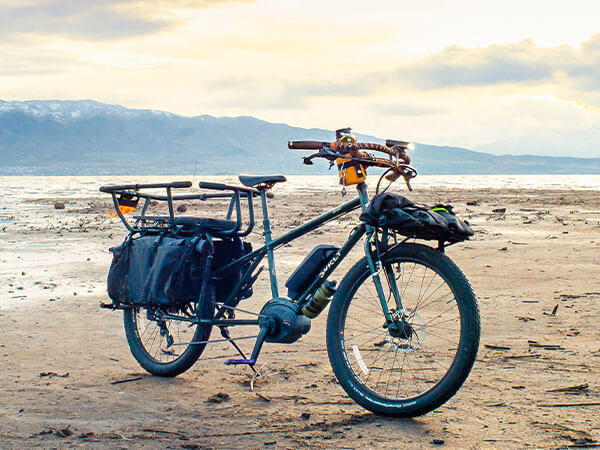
(267, 228)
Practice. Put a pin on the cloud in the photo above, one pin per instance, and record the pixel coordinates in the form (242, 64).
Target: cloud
(514, 68)
(96, 19)
(521, 63)
(17, 63)
(402, 107)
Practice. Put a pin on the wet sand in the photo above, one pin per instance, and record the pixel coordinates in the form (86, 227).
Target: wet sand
(534, 269)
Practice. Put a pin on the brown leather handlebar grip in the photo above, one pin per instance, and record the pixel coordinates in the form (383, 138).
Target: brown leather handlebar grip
(306, 145)
(355, 149)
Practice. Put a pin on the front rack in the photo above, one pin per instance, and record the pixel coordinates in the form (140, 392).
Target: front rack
(144, 223)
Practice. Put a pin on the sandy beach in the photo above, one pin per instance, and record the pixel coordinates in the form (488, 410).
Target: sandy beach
(67, 378)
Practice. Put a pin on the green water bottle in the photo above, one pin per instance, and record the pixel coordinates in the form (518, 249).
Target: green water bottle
(320, 300)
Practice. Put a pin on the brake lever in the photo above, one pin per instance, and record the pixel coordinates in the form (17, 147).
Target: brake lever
(397, 173)
(393, 176)
(407, 181)
(308, 159)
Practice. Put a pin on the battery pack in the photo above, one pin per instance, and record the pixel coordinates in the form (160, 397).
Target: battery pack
(309, 269)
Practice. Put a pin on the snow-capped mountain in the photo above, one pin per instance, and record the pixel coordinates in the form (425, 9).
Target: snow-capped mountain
(71, 110)
(88, 137)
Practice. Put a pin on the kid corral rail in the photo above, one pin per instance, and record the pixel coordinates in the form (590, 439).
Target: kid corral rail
(402, 330)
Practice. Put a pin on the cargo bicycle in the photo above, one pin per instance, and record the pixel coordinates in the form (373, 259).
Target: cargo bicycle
(403, 326)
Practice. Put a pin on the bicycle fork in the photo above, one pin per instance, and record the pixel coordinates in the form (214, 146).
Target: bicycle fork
(375, 265)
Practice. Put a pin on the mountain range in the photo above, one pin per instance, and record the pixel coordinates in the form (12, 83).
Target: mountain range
(53, 137)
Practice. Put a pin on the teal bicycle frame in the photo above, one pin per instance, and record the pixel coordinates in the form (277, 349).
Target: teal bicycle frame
(272, 244)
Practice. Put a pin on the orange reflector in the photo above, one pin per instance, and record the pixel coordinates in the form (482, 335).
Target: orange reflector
(126, 205)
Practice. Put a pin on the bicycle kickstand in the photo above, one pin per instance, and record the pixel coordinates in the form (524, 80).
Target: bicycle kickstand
(265, 329)
(226, 335)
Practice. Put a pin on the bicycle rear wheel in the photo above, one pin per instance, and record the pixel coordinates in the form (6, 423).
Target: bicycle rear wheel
(168, 347)
(414, 366)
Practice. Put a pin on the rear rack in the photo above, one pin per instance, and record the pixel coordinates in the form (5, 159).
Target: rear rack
(144, 223)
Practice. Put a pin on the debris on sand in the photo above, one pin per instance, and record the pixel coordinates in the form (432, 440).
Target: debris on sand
(62, 432)
(218, 398)
(527, 319)
(473, 203)
(568, 405)
(579, 438)
(496, 347)
(59, 205)
(126, 380)
(497, 214)
(159, 431)
(536, 344)
(53, 374)
(181, 208)
(263, 397)
(575, 389)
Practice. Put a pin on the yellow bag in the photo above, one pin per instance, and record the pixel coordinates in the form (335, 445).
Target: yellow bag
(350, 171)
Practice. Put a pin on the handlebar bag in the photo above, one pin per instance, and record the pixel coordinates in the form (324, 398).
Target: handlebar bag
(409, 219)
(159, 271)
(458, 230)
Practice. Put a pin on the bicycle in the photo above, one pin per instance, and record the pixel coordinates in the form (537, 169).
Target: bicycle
(403, 327)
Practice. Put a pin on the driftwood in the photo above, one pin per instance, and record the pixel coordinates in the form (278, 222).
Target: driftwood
(496, 347)
(568, 405)
(126, 380)
(575, 388)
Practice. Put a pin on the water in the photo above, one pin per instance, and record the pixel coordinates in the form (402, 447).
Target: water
(15, 189)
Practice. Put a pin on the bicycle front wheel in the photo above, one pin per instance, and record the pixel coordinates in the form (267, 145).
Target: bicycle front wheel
(416, 363)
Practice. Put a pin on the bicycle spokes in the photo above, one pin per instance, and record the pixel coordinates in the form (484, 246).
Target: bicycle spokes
(161, 338)
(408, 355)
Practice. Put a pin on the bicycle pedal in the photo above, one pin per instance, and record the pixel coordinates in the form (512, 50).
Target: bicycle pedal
(233, 362)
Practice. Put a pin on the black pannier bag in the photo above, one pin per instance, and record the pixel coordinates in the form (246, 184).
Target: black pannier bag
(227, 251)
(159, 271)
(422, 222)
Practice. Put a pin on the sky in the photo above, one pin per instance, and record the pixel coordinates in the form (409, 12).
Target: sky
(518, 77)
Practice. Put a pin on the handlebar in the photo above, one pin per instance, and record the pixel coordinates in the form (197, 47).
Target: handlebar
(307, 145)
(391, 147)
(136, 187)
(355, 150)
(397, 164)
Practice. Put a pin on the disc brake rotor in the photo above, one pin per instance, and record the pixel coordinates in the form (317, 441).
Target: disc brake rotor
(414, 341)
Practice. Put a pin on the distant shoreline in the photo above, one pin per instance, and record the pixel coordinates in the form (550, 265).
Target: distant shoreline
(29, 171)
(59, 185)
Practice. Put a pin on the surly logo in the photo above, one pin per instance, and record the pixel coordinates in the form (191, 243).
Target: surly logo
(329, 265)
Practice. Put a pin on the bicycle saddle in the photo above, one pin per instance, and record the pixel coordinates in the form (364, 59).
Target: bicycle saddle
(254, 180)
